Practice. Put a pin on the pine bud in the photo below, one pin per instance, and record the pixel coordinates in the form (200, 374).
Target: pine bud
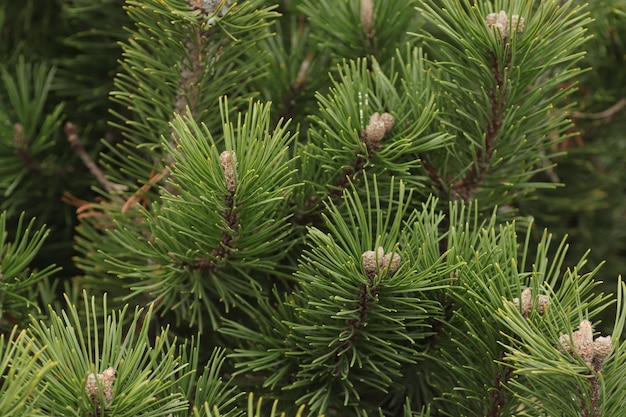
(542, 304)
(367, 17)
(500, 21)
(371, 260)
(228, 159)
(391, 261)
(388, 120)
(378, 126)
(379, 260)
(91, 386)
(527, 303)
(603, 346)
(104, 380)
(565, 343)
(586, 352)
(206, 6)
(375, 130)
(593, 352)
(209, 8)
(585, 330)
(517, 23)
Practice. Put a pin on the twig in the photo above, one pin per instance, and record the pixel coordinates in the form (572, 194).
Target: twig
(72, 136)
(296, 87)
(139, 194)
(433, 175)
(303, 73)
(499, 398)
(225, 246)
(603, 114)
(21, 143)
(466, 187)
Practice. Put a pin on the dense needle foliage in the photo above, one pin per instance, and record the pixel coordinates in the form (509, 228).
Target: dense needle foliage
(312, 207)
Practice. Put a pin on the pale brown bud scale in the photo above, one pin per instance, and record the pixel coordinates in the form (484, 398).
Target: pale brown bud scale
(592, 352)
(368, 17)
(104, 380)
(378, 126)
(500, 21)
(228, 160)
(375, 261)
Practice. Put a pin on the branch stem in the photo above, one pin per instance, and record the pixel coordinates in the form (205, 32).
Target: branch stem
(71, 131)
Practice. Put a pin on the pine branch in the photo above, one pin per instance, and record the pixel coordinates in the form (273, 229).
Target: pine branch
(496, 144)
(466, 187)
(244, 191)
(354, 322)
(17, 277)
(120, 371)
(316, 263)
(605, 114)
(71, 131)
(21, 149)
(370, 121)
(19, 365)
(230, 216)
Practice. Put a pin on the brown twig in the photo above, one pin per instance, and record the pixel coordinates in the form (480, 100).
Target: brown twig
(591, 408)
(292, 94)
(226, 245)
(71, 131)
(433, 175)
(21, 143)
(92, 210)
(191, 70)
(499, 398)
(303, 73)
(141, 192)
(465, 188)
(603, 114)
(365, 299)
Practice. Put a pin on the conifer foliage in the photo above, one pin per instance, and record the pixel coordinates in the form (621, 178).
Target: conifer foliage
(296, 208)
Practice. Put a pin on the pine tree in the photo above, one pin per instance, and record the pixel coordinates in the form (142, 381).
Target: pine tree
(309, 207)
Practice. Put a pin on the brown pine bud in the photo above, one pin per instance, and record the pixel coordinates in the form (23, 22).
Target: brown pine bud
(603, 346)
(388, 120)
(371, 261)
(542, 304)
(500, 22)
(104, 380)
(391, 261)
(108, 378)
(565, 343)
(375, 131)
(377, 127)
(586, 352)
(368, 16)
(517, 23)
(91, 387)
(593, 352)
(206, 6)
(585, 329)
(228, 159)
(374, 261)
(526, 302)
